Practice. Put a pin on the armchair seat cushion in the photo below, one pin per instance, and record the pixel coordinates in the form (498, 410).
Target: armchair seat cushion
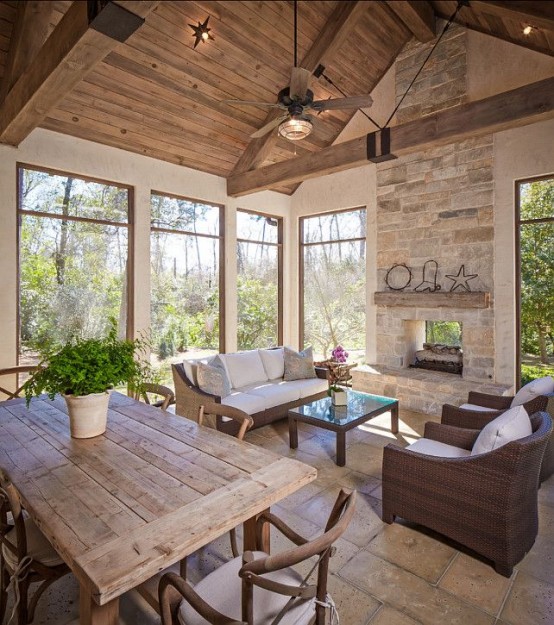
(435, 448)
(222, 590)
(38, 547)
(477, 408)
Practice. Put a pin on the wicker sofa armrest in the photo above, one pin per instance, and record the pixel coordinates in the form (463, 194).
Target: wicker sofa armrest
(451, 435)
(472, 419)
(188, 397)
(496, 402)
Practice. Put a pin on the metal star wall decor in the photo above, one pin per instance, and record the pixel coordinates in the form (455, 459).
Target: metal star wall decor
(201, 32)
(461, 279)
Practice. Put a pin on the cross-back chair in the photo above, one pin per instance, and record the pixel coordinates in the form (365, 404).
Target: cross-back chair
(11, 371)
(158, 390)
(261, 589)
(26, 556)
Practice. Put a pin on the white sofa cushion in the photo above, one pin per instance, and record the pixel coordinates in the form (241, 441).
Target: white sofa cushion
(307, 387)
(274, 362)
(245, 402)
(540, 386)
(477, 408)
(244, 368)
(299, 365)
(436, 448)
(507, 427)
(273, 394)
(213, 379)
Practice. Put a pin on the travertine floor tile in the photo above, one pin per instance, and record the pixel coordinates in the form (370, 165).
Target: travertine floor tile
(410, 594)
(366, 459)
(354, 606)
(546, 492)
(361, 482)
(539, 562)
(389, 616)
(412, 550)
(476, 582)
(530, 602)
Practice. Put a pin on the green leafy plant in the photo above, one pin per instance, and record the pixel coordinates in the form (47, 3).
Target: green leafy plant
(85, 366)
(336, 388)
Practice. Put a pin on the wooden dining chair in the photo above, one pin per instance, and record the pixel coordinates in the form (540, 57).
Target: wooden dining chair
(11, 371)
(26, 556)
(258, 588)
(158, 390)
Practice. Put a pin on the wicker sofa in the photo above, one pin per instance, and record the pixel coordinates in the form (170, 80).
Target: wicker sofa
(256, 388)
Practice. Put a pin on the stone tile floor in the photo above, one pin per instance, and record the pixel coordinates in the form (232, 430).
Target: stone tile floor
(398, 574)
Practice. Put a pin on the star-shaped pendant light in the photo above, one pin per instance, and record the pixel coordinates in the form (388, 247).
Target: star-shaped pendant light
(461, 279)
(201, 32)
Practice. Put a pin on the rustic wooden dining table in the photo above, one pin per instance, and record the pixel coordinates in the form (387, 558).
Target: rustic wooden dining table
(122, 506)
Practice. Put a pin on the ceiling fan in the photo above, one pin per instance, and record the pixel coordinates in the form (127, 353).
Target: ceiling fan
(297, 100)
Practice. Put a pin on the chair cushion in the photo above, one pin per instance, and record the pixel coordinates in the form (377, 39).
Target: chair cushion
(540, 386)
(38, 547)
(273, 394)
(507, 427)
(245, 402)
(274, 362)
(477, 408)
(299, 365)
(436, 448)
(213, 378)
(222, 590)
(308, 387)
(244, 368)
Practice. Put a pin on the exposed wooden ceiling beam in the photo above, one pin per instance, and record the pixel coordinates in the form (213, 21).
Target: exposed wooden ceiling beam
(418, 16)
(539, 14)
(30, 31)
(72, 50)
(518, 107)
(338, 27)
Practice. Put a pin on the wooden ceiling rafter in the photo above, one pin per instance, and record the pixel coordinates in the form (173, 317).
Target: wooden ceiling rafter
(337, 28)
(71, 51)
(539, 14)
(510, 109)
(418, 16)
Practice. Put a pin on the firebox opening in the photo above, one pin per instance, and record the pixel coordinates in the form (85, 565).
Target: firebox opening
(442, 348)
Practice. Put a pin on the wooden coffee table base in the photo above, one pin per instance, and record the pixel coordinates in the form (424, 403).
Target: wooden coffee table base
(339, 429)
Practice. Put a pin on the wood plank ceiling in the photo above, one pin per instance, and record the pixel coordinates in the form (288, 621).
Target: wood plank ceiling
(156, 95)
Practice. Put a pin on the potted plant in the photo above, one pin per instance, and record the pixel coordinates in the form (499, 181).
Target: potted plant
(338, 395)
(83, 371)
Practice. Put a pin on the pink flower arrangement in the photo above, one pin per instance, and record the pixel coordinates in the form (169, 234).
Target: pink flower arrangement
(339, 354)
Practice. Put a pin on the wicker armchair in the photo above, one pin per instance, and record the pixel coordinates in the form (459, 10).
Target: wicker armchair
(258, 588)
(26, 556)
(477, 419)
(486, 502)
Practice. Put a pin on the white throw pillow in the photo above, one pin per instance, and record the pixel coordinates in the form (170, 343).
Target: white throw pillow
(274, 362)
(507, 427)
(540, 386)
(245, 368)
(213, 379)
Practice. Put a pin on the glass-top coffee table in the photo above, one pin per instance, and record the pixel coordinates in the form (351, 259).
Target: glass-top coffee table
(360, 408)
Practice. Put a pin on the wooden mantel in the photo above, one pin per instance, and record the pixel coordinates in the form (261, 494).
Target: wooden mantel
(412, 299)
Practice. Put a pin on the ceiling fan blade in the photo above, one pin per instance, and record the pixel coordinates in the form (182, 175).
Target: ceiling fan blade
(269, 126)
(299, 80)
(353, 102)
(253, 103)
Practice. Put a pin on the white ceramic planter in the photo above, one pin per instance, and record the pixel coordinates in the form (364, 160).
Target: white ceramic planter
(88, 414)
(339, 398)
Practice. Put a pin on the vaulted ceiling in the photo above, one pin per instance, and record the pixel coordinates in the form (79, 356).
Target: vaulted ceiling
(155, 94)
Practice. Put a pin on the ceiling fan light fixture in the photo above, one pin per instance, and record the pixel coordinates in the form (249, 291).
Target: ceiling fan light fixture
(296, 128)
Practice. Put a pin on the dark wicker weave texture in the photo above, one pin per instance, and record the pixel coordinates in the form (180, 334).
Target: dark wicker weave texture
(486, 502)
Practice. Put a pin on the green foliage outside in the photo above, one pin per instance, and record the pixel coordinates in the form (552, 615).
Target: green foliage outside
(532, 372)
(84, 366)
(537, 278)
(257, 313)
(444, 332)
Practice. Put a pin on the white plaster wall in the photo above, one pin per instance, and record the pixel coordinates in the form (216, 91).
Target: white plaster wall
(494, 66)
(518, 154)
(48, 149)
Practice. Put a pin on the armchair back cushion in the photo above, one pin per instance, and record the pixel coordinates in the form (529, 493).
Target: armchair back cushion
(507, 427)
(540, 386)
(274, 362)
(244, 368)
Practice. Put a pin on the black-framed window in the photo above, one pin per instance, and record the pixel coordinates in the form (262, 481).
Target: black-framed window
(535, 277)
(333, 282)
(74, 258)
(259, 280)
(187, 280)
